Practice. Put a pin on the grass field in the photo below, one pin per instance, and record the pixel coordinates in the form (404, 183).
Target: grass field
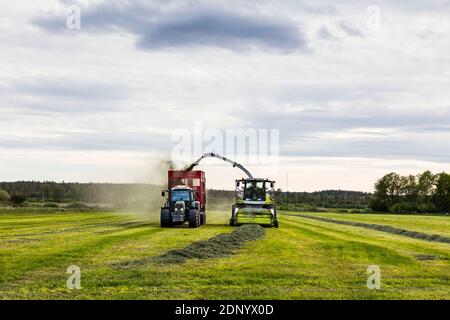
(303, 259)
(429, 224)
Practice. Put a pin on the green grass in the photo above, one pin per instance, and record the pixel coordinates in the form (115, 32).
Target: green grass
(303, 259)
(428, 224)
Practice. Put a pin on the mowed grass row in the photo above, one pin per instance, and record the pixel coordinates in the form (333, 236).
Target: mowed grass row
(431, 224)
(303, 259)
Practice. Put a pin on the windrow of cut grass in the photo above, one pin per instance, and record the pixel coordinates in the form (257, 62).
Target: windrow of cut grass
(383, 228)
(221, 245)
(430, 224)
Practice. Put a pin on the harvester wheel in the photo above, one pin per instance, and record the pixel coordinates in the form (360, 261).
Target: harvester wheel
(232, 219)
(194, 220)
(202, 218)
(166, 220)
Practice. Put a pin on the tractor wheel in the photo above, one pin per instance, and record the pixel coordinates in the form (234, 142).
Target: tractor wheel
(166, 219)
(194, 220)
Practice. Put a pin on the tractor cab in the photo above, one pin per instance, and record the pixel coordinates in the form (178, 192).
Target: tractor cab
(181, 193)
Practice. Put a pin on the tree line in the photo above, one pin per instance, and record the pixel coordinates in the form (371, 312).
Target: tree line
(322, 199)
(125, 194)
(20, 192)
(422, 193)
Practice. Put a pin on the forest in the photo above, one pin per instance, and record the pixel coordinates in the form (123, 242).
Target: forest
(422, 193)
(50, 194)
(395, 193)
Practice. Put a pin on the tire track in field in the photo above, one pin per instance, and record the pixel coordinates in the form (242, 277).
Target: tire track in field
(349, 245)
(40, 273)
(69, 255)
(379, 227)
(323, 253)
(116, 225)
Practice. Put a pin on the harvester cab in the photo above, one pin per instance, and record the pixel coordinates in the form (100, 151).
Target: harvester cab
(254, 202)
(185, 201)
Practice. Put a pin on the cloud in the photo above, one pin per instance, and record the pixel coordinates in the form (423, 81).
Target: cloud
(69, 89)
(137, 70)
(418, 5)
(325, 34)
(88, 141)
(62, 96)
(349, 28)
(364, 132)
(222, 29)
(159, 27)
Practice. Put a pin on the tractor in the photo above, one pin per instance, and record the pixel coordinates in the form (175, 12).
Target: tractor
(186, 199)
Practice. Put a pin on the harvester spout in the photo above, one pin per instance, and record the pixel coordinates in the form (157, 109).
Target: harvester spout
(213, 155)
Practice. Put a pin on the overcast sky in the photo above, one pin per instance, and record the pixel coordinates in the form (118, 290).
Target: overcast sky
(353, 100)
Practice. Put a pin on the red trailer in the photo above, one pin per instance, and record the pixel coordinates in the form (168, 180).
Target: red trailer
(186, 199)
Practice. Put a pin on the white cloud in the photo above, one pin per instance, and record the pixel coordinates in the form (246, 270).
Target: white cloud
(378, 97)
